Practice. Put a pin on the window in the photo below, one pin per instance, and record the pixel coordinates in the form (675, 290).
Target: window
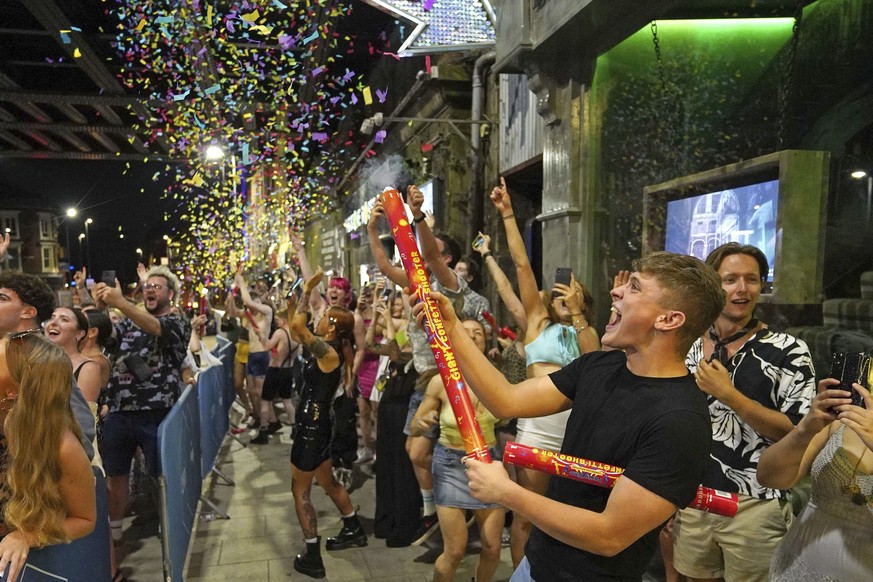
(12, 262)
(46, 227)
(49, 259)
(9, 223)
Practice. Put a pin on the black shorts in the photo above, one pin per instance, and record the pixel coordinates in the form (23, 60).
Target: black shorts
(279, 382)
(311, 448)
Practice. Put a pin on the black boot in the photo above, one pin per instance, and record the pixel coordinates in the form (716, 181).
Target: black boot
(352, 534)
(262, 438)
(310, 563)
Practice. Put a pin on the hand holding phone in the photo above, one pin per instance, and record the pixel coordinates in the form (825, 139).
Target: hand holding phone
(850, 368)
(108, 278)
(563, 276)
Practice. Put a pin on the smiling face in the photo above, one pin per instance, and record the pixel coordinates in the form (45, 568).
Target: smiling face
(63, 328)
(636, 307)
(741, 280)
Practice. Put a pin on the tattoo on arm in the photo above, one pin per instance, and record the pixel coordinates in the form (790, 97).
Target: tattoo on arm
(318, 348)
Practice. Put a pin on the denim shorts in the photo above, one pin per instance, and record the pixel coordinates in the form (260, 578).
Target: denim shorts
(258, 364)
(450, 485)
(414, 402)
(123, 431)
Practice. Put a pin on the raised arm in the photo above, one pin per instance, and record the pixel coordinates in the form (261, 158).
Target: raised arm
(533, 397)
(317, 302)
(81, 279)
(429, 249)
(534, 310)
(787, 461)
(328, 360)
(501, 281)
(394, 273)
(261, 308)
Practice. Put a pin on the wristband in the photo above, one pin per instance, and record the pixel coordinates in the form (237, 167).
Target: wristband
(487, 254)
(576, 314)
(419, 219)
(508, 216)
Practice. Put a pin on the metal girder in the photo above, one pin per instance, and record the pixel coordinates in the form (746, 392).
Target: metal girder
(11, 95)
(105, 141)
(27, 126)
(13, 140)
(68, 155)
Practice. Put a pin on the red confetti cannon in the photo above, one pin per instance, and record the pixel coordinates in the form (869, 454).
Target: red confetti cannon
(504, 332)
(456, 387)
(603, 475)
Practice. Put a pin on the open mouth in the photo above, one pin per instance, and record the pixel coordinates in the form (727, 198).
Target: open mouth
(52, 332)
(615, 317)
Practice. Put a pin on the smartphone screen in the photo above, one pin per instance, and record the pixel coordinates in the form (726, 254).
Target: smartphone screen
(108, 278)
(562, 275)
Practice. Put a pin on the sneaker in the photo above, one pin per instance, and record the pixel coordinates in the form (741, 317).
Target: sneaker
(429, 524)
(262, 438)
(505, 537)
(365, 455)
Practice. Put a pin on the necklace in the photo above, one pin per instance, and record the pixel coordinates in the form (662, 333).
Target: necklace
(719, 350)
(853, 490)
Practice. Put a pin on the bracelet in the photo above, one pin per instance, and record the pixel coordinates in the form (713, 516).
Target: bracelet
(508, 216)
(576, 314)
(582, 328)
(418, 220)
(487, 254)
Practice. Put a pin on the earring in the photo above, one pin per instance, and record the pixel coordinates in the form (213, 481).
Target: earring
(6, 399)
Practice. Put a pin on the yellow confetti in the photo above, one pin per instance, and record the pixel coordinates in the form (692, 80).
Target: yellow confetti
(77, 54)
(368, 97)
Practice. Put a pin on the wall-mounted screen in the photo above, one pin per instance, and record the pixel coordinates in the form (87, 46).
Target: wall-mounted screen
(746, 214)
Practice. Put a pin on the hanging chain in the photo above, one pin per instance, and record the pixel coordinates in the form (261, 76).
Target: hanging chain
(788, 77)
(669, 130)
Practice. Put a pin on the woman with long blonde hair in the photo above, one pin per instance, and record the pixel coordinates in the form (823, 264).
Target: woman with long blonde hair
(47, 483)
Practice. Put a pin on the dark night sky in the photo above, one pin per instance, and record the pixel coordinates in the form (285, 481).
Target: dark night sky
(102, 191)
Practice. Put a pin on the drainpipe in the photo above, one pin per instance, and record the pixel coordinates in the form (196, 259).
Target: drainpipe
(421, 78)
(477, 196)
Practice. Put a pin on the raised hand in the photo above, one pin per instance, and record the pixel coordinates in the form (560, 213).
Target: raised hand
(313, 281)
(500, 198)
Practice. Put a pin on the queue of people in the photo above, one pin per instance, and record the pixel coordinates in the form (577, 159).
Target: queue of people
(685, 387)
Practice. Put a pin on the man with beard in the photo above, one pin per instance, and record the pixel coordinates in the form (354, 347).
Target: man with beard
(145, 381)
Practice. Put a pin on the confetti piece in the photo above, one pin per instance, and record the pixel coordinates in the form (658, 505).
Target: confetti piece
(368, 97)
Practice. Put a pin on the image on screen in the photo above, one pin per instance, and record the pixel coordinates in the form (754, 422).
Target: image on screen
(747, 215)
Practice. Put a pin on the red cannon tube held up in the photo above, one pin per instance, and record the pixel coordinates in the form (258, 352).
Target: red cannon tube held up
(605, 475)
(450, 372)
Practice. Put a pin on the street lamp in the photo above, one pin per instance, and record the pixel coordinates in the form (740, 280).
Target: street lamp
(81, 254)
(169, 256)
(861, 175)
(139, 253)
(88, 242)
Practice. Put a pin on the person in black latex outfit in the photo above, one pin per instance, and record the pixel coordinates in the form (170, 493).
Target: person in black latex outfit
(331, 363)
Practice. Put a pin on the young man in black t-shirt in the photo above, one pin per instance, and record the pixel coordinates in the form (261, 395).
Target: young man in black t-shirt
(637, 408)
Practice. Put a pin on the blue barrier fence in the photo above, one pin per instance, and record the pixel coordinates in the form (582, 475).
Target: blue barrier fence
(189, 440)
(214, 421)
(181, 481)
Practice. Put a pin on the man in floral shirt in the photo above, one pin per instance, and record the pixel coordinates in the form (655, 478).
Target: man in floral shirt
(759, 384)
(144, 383)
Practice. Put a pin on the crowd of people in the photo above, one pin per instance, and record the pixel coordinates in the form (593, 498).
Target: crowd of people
(684, 387)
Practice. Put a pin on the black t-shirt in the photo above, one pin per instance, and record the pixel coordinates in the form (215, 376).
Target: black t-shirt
(657, 429)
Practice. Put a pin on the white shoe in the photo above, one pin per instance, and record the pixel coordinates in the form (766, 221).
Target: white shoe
(365, 455)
